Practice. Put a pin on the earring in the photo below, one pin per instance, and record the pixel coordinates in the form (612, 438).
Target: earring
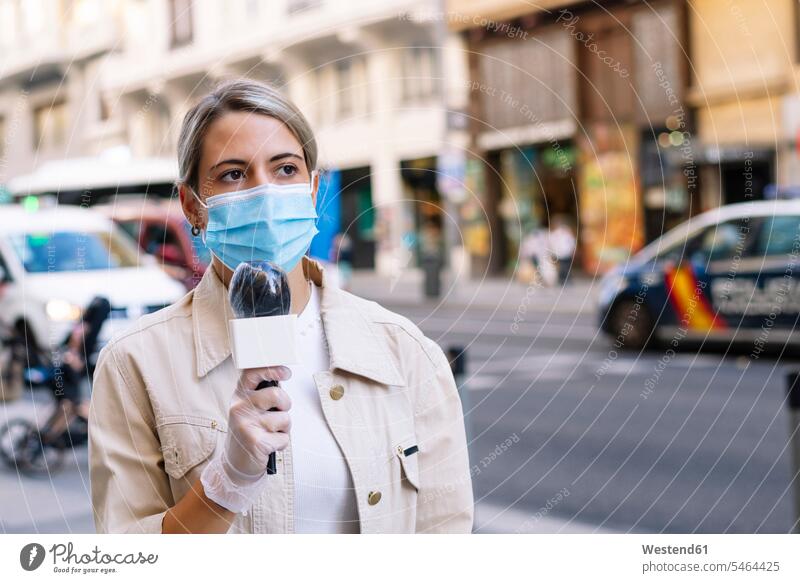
(195, 230)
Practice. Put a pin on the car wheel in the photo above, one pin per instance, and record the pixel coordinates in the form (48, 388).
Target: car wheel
(630, 325)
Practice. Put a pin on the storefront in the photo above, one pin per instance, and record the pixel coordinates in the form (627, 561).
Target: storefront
(611, 213)
(669, 178)
(524, 98)
(732, 174)
(537, 184)
(425, 212)
(637, 176)
(358, 215)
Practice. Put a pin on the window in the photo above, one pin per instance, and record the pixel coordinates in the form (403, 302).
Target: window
(83, 12)
(715, 243)
(50, 126)
(104, 109)
(296, 6)
(724, 241)
(131, 228)
(419, 75)
(253, 8)
(70, 251)
(160, 240)
(10, 23)
(344, 88)
(779, 235)
(180, 23)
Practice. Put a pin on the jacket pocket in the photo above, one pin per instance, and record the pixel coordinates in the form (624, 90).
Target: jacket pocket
(407, 452)
(186, 441)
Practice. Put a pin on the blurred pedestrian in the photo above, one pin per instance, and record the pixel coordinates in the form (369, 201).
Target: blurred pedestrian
(430, 250)
(535, 249)
(561, 243)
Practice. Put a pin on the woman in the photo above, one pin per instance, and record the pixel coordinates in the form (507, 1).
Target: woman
(368, 429)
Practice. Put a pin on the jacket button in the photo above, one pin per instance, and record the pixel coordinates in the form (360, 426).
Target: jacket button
(336, 392)
(373, 498)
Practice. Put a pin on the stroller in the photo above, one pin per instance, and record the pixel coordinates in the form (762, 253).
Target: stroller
(42, 450)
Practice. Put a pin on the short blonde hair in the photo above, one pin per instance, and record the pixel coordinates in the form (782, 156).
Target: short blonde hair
(238, 95)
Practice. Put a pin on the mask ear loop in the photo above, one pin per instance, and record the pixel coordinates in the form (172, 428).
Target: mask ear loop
(202, 232)
(305, 265)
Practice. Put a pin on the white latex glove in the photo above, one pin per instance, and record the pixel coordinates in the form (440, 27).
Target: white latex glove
(234, 479)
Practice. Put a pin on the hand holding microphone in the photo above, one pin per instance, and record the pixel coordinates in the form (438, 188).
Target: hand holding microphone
(263, 341)
(258, 424)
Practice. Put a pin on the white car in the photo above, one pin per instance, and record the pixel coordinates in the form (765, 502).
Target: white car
(53, 261)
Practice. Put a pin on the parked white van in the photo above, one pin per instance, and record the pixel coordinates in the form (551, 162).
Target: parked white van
(54, 260)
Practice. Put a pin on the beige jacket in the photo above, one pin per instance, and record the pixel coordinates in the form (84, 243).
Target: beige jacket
(160, 406)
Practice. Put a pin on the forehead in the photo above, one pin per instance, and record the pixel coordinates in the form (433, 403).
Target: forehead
(246, 136)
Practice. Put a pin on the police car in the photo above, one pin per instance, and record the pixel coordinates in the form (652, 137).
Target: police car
(731, 274)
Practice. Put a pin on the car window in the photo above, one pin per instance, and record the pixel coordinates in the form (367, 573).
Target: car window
(713, 243)
(726, 240)
(674, 252)
(157, 235)
(70, 251)
(131, 228)
(779, 235)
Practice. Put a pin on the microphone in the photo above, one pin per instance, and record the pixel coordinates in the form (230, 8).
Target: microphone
(262, 332)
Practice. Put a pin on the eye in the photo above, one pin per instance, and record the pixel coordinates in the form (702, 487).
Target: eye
(287, 170)
(233, 175)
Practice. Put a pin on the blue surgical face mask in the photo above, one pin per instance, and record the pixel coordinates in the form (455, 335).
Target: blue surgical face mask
(270, 222)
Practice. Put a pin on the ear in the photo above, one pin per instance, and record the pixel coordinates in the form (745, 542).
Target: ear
(314, 186)
(192, 209)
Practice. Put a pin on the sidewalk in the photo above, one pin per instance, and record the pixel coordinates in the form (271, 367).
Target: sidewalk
(578, 296)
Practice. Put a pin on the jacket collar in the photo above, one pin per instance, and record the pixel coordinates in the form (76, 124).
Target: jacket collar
(355, 345)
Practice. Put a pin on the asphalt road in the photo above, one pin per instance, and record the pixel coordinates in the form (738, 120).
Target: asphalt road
(602, 440)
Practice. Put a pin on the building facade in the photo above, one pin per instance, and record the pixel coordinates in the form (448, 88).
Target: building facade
(745, 95)
(482, 120)
(100, 77)
(579, 109)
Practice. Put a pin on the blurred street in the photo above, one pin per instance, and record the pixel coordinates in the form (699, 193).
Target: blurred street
(706, 451)
(589, 190)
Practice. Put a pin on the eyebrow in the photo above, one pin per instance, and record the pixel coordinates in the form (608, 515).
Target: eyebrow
(245, 163)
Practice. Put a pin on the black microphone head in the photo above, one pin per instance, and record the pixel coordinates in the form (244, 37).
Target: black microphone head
(259, 288)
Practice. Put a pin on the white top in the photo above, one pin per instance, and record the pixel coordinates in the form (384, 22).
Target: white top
(324, 496)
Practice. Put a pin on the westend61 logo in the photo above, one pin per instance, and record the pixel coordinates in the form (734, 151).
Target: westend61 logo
(66, 560)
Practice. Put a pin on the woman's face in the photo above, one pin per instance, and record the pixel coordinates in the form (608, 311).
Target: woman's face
(242, 150)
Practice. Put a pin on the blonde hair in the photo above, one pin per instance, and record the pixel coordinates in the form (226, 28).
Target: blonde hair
(238, 95)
